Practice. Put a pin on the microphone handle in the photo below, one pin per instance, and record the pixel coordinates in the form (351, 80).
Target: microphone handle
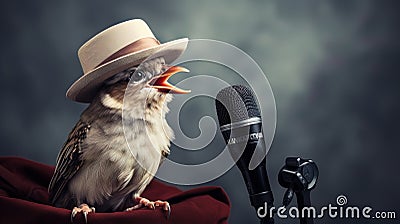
(256, 180)
(258, 187)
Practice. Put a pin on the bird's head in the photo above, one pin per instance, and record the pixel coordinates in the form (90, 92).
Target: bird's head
(143, 87)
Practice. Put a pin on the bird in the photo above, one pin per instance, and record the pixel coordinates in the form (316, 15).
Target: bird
(118, 144)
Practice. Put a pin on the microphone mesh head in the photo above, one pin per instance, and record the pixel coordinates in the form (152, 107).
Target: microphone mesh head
(235, 103)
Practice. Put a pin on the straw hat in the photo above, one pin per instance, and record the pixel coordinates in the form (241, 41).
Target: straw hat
(115, 49)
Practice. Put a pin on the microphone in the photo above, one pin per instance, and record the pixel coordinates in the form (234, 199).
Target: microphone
(241, 126)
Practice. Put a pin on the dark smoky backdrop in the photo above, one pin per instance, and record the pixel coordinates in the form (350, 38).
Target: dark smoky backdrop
(333, 67)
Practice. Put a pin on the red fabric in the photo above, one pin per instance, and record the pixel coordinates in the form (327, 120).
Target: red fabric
(24, 199)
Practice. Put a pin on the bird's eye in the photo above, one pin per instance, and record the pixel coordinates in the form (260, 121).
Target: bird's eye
(136, 76)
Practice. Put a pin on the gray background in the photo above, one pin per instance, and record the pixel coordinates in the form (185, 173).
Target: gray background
(333, 66)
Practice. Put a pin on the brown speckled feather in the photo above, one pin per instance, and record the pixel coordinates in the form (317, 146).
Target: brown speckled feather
(68, 161)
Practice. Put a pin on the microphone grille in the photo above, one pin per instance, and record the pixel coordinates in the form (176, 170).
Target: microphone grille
(236, 103)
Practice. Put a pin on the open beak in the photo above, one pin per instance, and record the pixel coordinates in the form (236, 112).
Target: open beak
(161, 82)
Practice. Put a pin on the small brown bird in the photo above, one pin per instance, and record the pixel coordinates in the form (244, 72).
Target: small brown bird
(117, 146)
(96, 166)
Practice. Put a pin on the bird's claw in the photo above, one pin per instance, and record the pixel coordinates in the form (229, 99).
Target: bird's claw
(84, 208)
(73, 213)
(151, 204)
(168, 209)
(165, 206)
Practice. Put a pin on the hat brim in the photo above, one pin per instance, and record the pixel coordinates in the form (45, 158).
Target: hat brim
(86, 87)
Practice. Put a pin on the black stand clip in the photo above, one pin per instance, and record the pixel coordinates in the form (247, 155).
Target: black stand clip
(299, 176)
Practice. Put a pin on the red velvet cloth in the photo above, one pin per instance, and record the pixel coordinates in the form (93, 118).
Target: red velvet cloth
(24, 199)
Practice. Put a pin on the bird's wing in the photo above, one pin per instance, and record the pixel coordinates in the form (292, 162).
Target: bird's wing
(68, 161)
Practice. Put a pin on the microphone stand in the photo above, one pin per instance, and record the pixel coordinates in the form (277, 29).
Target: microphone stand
(299, 176)
(303, 200)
